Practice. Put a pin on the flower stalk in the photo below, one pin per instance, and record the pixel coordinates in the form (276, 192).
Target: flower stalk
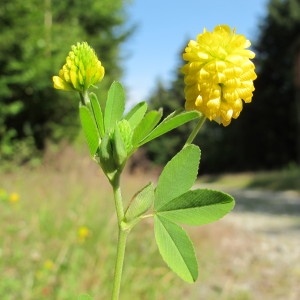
(195, 131)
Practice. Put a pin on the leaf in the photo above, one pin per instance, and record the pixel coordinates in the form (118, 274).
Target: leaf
(107, 161)
(197, 207)
(115, 106)
(119, 147)
(105, 149)
(140, 203)
(89, 128)
(97, 114)
(136, 114)
(145, 126)
(178, 176)
(170, 123)
(176, 249)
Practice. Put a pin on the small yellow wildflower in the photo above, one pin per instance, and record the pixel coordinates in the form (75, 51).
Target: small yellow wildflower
(81, 70)
(14, 197)
(218, 74)
(48, 265)
(83, 233)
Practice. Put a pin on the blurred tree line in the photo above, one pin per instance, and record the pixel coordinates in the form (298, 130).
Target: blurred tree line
(267, 133)
(35, 37)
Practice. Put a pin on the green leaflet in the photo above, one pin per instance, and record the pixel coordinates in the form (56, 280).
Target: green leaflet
(176, 248)
(126, 133)
(147, 124)
(171, 122)
(136, 114)
(114, 107)
(89, 128)
(97, 112)
(178, 176)
(119, 147)
(105, 153)
(140, 203)
(197, 207)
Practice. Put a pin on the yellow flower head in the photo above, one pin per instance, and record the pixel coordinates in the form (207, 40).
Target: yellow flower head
(14, 197)
(218, 74)
(48, 264)
(81, 70)
(83, 233)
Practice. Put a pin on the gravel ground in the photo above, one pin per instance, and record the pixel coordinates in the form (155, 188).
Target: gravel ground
(271, 223)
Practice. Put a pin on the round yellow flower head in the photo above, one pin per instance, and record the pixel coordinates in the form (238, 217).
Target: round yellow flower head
(218, 74)
(49, 264)
(81, 70)
(83, 233)
(14, 197)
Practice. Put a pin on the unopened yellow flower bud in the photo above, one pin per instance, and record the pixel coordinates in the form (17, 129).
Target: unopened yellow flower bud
(81, 70)
(218, 74)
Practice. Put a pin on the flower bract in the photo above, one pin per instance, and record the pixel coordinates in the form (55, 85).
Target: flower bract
(218, 74)
(81, 70)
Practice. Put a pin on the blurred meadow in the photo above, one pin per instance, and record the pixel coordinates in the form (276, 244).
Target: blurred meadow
(58, 241)
(58, 228)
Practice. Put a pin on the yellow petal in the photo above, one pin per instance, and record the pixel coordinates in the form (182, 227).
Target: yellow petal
(61, 84)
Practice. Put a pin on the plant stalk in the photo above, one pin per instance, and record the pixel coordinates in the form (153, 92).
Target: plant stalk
(119, 263)
(195, 131)
(122, 237)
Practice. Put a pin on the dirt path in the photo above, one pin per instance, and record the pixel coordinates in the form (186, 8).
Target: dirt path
(265, 262)
(275, 217)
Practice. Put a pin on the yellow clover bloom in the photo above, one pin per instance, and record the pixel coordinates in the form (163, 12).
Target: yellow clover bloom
(83, 233)
(14, 197)
(48, 265)
(81, 70)
(218, 74)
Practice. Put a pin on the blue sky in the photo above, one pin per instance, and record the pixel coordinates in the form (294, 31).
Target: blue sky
(164, 27)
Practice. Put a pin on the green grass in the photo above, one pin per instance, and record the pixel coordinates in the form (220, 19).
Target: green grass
(42, 226)
(68, 192)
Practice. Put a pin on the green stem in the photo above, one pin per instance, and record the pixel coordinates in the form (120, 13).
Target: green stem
(118, 198)
(195, 131)
(122, 237)
(119, 263)
(84, 97)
